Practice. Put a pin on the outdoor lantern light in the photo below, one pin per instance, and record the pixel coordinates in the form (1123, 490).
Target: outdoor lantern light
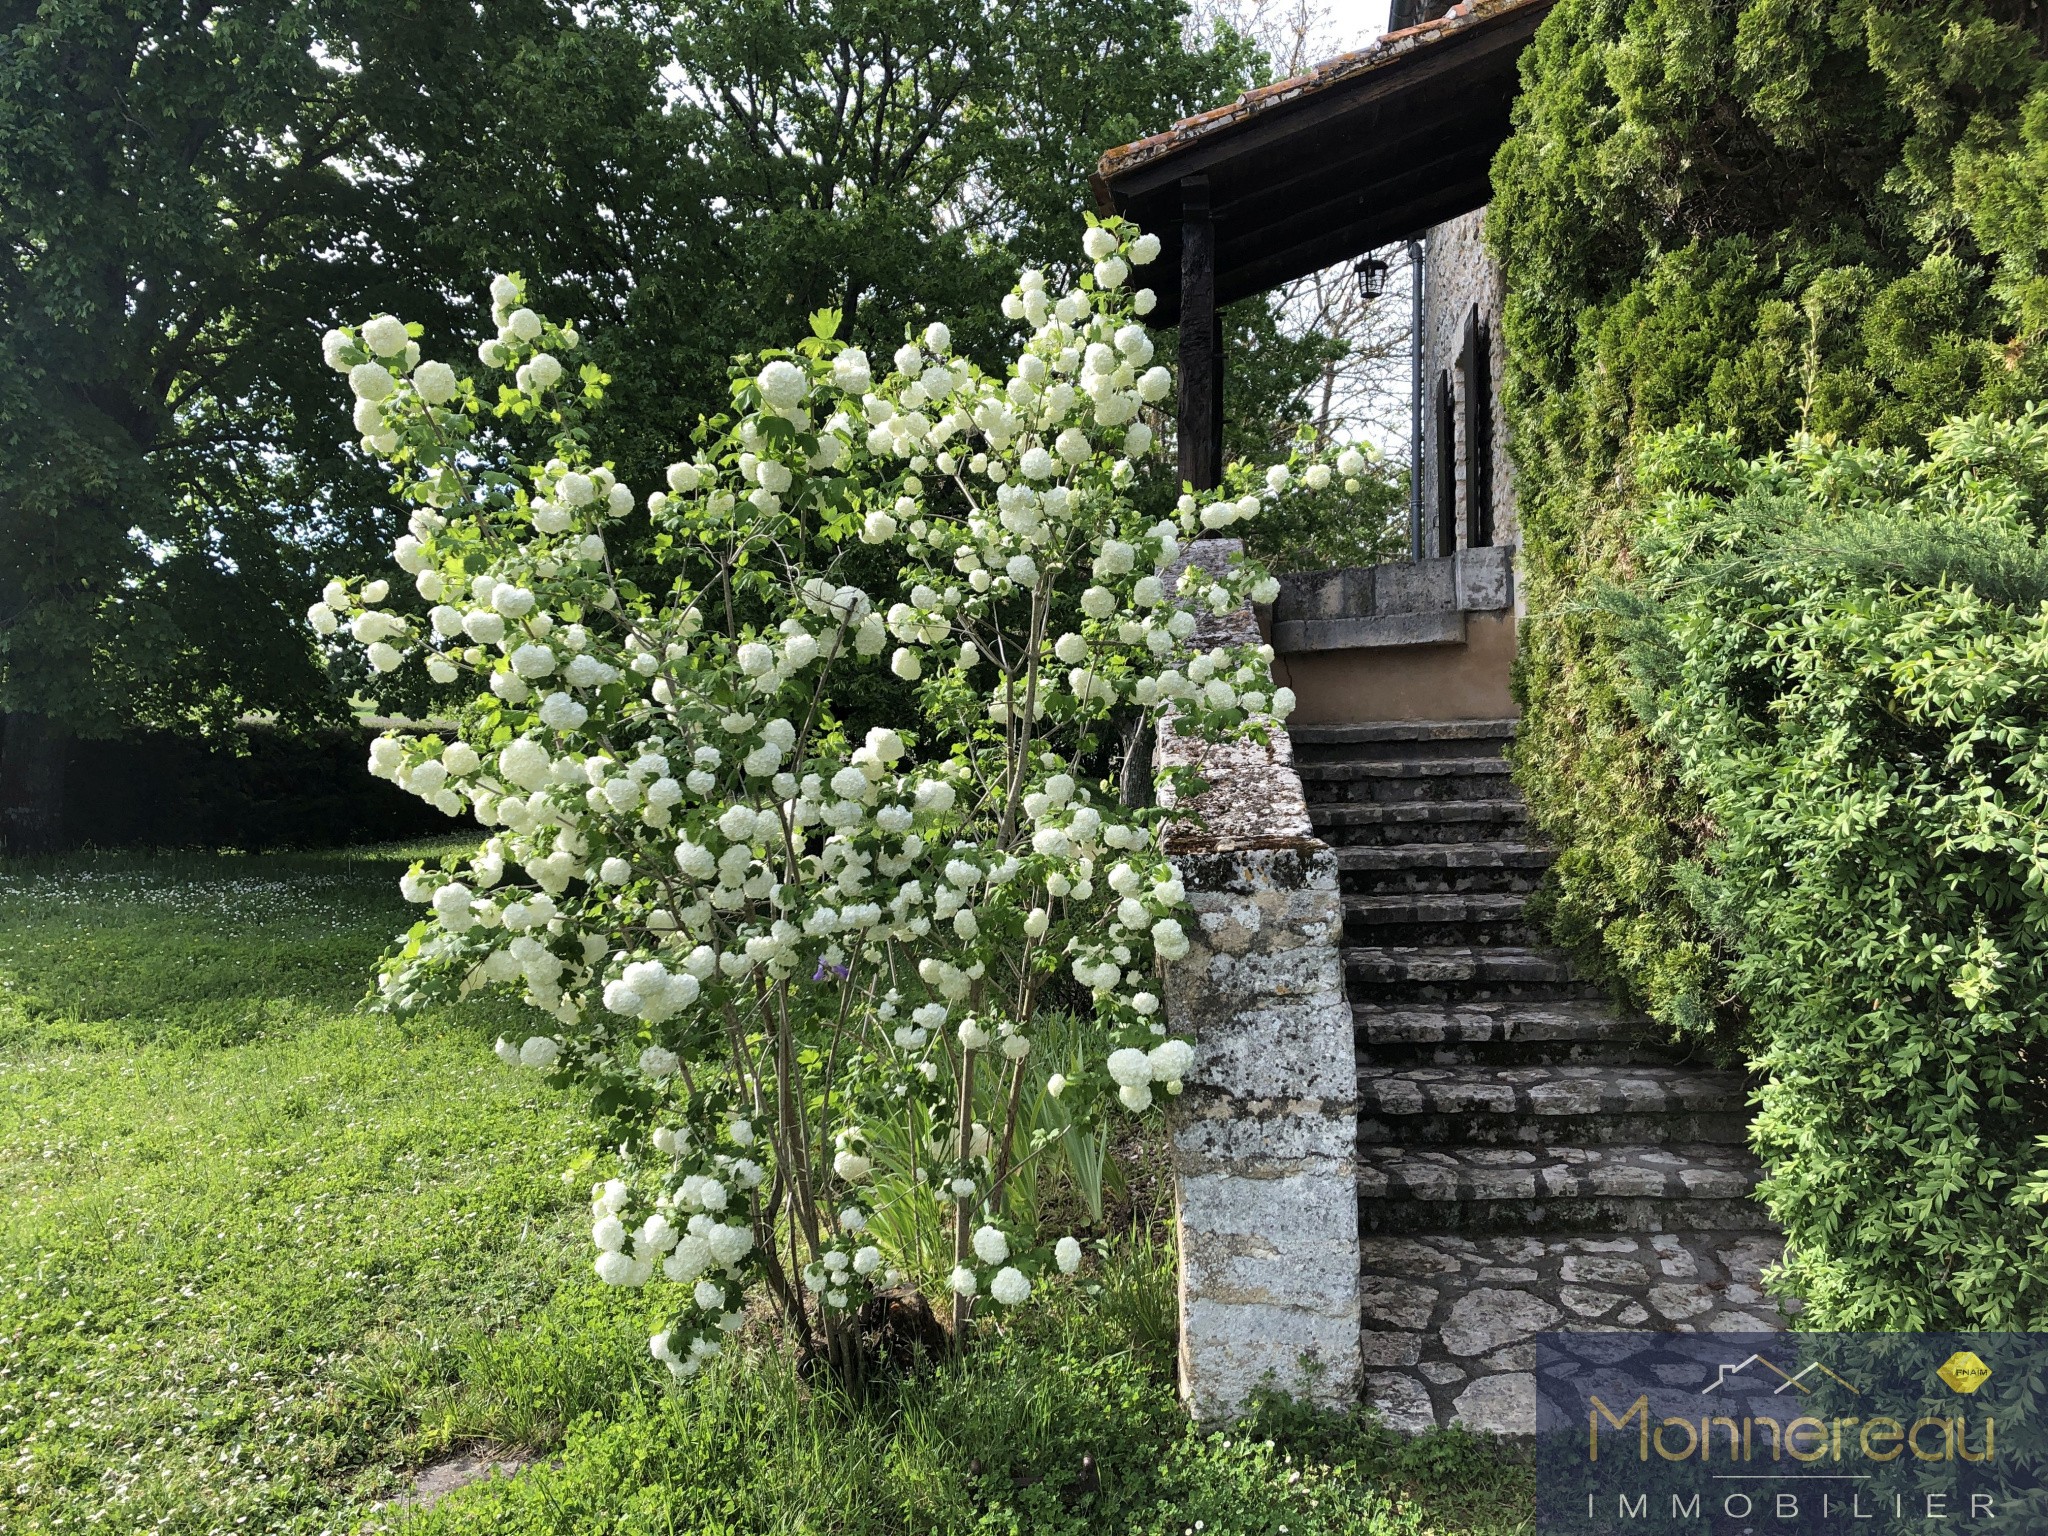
(1372, 278)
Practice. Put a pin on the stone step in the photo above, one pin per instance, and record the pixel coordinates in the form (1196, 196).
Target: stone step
(1449, 1319)
(1483, 920)
(1550, 1106)
(1504, 1034)
(1386, 974)
(1399, 779)
(1383, 739)
(1412, 822)
(1610, 1188)
(1427, 868)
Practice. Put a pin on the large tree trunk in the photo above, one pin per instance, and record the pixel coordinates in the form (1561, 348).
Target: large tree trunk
(32, 753)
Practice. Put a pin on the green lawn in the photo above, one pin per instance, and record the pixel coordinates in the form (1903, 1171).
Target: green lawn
(265, 1254)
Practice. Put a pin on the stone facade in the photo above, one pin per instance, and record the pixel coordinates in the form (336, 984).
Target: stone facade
(1265, 1133)
(1458, 275)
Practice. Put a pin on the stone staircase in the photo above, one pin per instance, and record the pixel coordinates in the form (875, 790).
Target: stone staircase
(1528, 1156)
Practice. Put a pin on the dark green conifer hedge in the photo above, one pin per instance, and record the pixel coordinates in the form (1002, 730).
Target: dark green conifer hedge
(1842, 655)
(1781, 714)
(1754, 217)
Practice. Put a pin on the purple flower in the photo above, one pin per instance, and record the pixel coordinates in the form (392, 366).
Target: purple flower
(824, 972)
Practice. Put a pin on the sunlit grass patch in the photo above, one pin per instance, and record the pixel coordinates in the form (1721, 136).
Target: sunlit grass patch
(264, 1254)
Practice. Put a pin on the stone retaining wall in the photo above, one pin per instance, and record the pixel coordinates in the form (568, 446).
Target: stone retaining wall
(1265, 1134)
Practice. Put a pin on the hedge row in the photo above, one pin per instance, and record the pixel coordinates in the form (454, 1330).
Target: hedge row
(268, 789)
(1843, 654)
(1781, 709)
(1752, 217)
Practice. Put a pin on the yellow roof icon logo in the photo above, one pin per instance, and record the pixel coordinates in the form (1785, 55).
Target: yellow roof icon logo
(1963, 1371)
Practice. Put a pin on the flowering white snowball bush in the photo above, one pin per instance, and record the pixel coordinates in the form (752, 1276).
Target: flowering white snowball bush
(753, 935)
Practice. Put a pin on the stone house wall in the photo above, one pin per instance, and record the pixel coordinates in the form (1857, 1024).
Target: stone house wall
(1458, 274)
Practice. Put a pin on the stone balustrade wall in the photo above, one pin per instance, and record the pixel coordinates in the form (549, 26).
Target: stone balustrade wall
(1265, 1133)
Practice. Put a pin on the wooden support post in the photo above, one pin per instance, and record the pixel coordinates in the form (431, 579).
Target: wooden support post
(1201, 342)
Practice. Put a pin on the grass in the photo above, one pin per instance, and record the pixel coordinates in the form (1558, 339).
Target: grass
(263, 1254)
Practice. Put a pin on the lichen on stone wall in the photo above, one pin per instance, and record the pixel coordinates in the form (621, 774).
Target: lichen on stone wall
(1265, 1132)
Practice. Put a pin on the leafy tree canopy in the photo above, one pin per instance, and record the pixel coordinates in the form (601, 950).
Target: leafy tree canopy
(190, 192)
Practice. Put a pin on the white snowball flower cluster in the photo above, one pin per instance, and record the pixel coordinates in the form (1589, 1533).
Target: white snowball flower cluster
(1134, 1071)
(755, 935)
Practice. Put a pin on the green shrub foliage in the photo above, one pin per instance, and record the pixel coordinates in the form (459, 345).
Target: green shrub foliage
(1753, 217)
(1843, 653)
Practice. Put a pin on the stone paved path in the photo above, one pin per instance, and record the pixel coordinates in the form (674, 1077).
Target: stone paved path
(1529, 1158)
